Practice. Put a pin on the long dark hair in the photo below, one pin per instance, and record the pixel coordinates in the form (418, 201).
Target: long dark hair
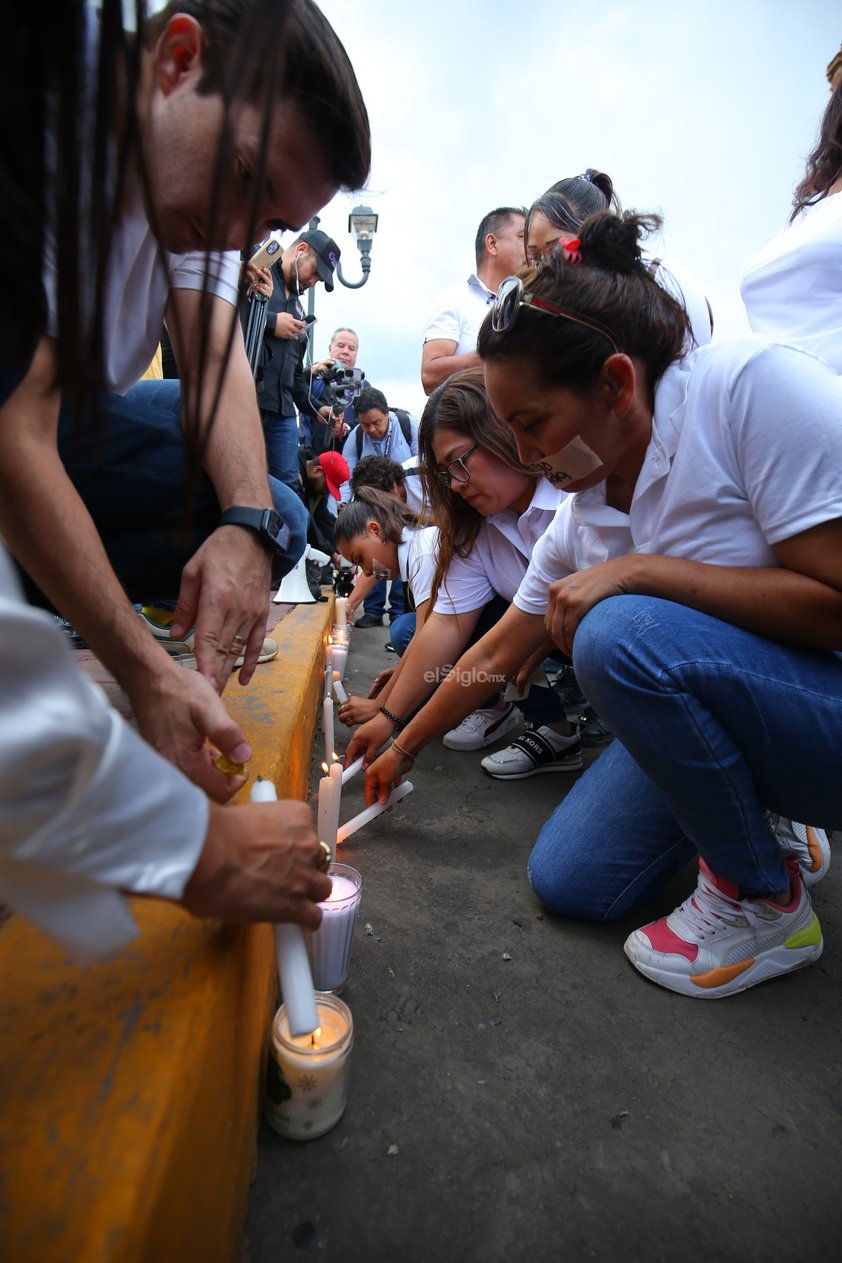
(370, 503)
(609, 284)
(460, 404)
(824, 165)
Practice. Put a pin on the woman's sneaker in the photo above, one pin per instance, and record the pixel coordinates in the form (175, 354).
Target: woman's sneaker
(536, 751)
(806, 844)
(716, 944)
(482, 728)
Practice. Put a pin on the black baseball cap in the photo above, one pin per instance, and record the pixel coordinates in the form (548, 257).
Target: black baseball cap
(327, 254)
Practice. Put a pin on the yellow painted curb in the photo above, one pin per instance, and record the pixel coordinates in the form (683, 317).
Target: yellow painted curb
(130, 1090)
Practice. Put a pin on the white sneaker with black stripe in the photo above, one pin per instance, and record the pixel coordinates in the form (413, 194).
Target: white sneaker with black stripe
(482, 728)
(535, 751)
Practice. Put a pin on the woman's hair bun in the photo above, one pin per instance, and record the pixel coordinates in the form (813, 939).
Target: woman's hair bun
(613, 241)
(605, 184)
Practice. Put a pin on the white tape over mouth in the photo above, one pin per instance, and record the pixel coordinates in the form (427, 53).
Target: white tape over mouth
(573, 462)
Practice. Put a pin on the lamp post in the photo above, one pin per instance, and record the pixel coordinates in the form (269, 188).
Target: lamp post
(362, 225)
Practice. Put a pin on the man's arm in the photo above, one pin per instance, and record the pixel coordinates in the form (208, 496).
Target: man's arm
(49, 530)
(438, 362)
(225, 586)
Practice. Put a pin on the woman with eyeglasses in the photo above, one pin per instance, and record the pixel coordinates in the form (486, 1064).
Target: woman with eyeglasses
(556, 216)
(491, 511)
(695, 576)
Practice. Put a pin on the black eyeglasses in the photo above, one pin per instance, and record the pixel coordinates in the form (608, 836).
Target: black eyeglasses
(457, 470)
(511, 296)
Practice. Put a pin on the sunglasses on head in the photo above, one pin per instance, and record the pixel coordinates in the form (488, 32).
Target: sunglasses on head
(511, 296)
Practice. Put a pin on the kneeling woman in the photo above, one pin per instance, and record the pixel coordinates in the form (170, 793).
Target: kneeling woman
(696, 579)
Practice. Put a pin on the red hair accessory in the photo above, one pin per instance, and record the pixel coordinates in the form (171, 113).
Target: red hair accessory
(571, 250)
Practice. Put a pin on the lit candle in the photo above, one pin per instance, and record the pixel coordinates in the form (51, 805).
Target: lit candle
(340, 659)
(328, 669)
(291, 953)
(327, 729)
(323, 812)
(307, 1076)
(329, 947)
(339, 692)
(335, 775)
(342, 611)
(353, 769)
(371, 813)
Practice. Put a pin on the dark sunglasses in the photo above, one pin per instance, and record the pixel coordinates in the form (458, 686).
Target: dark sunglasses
(511, 296)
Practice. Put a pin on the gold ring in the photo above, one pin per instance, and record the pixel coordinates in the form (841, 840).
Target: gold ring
(240, 642)
(325, 858)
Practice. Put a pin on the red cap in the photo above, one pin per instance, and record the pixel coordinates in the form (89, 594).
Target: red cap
(336, 471)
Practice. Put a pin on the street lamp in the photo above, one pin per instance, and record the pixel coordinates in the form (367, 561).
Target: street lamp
(362, 225)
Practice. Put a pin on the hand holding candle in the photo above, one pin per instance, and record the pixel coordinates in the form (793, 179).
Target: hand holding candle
(351, 826)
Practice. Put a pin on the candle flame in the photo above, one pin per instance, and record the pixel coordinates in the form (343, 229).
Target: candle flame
(314, 1037)
(325, 768)
(335, 757)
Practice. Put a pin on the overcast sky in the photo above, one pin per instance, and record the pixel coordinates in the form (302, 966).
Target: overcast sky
(703, 111)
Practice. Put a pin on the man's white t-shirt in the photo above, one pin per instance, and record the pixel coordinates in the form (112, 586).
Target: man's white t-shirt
(457, 313)
(793, 289)
(746, 451)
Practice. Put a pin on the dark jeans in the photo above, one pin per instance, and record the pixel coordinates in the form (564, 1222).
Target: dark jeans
(152, 510)
(281, 434)
(375, 603)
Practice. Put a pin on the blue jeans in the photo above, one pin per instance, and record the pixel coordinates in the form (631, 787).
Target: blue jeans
(375, 603)
(714, 726)
(151, 506)
(401, 632)
(281, 434)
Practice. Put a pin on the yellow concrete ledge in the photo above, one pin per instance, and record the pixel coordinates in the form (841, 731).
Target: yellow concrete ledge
(130, 1091)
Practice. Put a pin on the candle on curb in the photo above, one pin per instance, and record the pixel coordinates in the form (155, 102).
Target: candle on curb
(371, 813)
(328, 669)
(340, 659)
(307, 1076)
(335, 776)
(327, 729)
(353, 769)
(341, 611)
(329, 947)
(291, 953)
(323, 811)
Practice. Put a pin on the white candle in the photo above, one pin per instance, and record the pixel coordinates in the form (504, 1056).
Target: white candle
(339, 692)
(323, 814)
(329, 947)
(328, 670)
(371, 813)
(342, 611)
(335, 775)
(291, 953)
(327, 729)
(307, 1077)
(340, 659)
(353, 769)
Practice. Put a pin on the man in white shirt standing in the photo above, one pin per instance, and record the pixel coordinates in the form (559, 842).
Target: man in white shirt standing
(450, 338)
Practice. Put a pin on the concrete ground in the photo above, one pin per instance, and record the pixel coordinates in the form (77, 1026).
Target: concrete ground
(518, 1092)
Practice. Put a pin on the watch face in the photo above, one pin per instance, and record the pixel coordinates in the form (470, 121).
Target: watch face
(277, 530)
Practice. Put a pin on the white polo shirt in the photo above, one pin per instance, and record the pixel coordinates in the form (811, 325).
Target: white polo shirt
(417, 560)
(746, 451)
(793, 289)
(500, 555)
(457, 313)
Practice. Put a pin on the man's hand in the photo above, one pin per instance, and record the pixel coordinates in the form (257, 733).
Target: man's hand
(322, 367)
(260, 863)
(260, 279)
(286, 326)
(179, 713)
(225, 590)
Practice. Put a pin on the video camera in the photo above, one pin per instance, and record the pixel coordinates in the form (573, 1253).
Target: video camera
(343, 385)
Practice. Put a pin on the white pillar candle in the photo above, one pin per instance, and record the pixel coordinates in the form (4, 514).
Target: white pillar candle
(329, 947)
(371, 813)
(340, 659)
(328, 670)
(335, 775)
(339, 692)
(291, 953)
(353, 769)
(323, 812)
(307, 1077)
(327, 729)
(342, 611)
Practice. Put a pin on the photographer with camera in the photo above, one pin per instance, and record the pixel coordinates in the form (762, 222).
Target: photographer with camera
(334, 385)
(282, 383)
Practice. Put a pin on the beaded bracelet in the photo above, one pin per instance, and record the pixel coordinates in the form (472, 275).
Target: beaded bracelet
(400, 723)
(400, 750)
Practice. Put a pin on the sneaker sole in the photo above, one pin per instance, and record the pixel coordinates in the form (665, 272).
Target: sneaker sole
(772, 964)
(575, 765)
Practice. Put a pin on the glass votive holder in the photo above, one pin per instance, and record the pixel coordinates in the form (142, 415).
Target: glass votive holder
(329, 947)
(340, 636)
(307, 1075)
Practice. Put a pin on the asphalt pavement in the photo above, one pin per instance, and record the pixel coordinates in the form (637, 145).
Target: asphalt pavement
(518, 1092)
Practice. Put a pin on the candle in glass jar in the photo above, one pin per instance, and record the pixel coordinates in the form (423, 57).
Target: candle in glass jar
(307, 1076)
(342, 611)
(329, 947)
